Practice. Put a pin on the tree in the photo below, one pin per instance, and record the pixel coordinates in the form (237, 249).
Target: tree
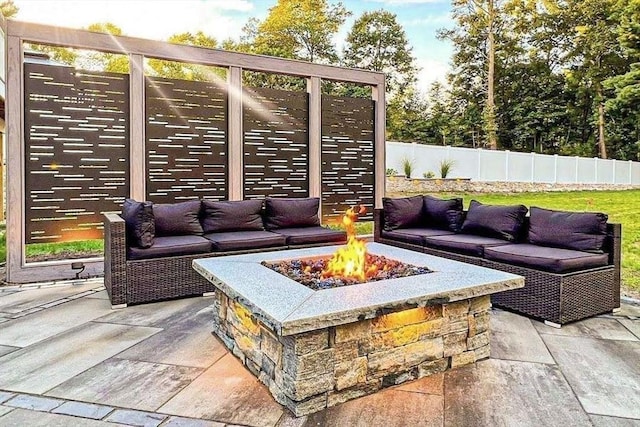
(595, 52)
(299, 29)
(8, 9)
(378, 42)
(103, 61)
(184, 71)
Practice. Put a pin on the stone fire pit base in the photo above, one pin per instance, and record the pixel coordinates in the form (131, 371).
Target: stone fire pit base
(310, 371)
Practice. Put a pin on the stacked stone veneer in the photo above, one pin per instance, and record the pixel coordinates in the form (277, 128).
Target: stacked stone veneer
(310, 371)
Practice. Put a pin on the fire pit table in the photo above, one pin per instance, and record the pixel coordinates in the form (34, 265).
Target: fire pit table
(315, 349)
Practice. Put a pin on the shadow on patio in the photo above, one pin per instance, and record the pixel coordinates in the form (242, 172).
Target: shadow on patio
(66, 358)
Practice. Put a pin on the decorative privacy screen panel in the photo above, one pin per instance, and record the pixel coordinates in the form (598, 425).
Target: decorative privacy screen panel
(76, 151)
(186, 140)
(347, 156)
(276, 143)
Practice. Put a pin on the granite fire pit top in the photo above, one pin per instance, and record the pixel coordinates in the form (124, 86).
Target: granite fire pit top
(289, 307)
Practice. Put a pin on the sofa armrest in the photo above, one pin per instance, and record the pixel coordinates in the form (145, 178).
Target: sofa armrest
(378, 223)
(613, 246)
(115, 258)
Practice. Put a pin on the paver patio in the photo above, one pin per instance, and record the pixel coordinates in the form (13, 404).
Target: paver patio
(67, 359)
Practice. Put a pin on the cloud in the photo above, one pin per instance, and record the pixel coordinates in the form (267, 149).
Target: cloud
(431, 20)
(431, 70)
(153, 20)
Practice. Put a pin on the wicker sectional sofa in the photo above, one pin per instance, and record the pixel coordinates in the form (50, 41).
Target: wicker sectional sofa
(562, 284)
(149, 248)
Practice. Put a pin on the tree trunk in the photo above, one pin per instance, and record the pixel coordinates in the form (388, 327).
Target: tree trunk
(601, 141)
(491, 107)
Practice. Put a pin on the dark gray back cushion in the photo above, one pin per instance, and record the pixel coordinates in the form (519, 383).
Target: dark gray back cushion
(232, 215)
(178, 219)
(503, 222)
(446, 214)
(581, 231)
(292, 212)
(403, 212)
(139, 223)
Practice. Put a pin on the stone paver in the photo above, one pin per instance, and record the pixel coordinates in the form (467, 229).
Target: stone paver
(84, 410)
(631, 325)
(163, 355)
(227, 393)
(159, 314)
(508, 393)
(17, 302)
(187, 343)
(432, 384)
(42, 366)
(120, 382)
(601, 421)
(514, 337)
(387, 408)
(190, 422)
(26, 418)
(5, 395)
(36, 403)
(604, 374)
(136, 418)
(53, 321)
(597, 327)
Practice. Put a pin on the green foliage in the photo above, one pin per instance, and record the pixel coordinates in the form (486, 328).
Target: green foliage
(64, 250)
(378, 42)
(428, 175)
(407, 166)
(445, 167)
(391, 172)
(8, 9)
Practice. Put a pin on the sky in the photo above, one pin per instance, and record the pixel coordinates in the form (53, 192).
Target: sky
(222, 19)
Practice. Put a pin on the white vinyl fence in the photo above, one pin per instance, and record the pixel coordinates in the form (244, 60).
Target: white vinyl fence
(488, 165)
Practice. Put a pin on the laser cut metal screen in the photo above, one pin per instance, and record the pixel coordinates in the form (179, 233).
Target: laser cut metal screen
(276, 143)
(186, 140)
(76, 151)
(347, 155)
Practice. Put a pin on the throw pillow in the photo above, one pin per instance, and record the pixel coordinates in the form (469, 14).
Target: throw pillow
(292, 212)
(581, 231)
(445, 214)
(403, 212)
(139, 223)
(232, 215)
(502, 222)
(178, 219)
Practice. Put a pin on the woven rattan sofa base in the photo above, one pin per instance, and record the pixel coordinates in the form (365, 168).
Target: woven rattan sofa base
(148, 280)
(558, 298)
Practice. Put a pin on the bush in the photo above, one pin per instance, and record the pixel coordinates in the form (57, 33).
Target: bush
(445, 167)
(429, 175)
(407, 166)
(391, 172)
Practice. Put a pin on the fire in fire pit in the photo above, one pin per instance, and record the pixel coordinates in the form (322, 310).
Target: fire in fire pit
(349, 265)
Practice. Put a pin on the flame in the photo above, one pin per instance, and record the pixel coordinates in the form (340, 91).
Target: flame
(350, 261)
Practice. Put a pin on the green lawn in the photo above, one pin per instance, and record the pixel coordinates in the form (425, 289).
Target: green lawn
(622, 207)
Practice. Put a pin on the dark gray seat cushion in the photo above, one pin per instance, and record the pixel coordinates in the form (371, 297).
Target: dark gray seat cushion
(291, 212)
(580, 231)
(403, 212)
(414, 236)
(503, 222)
(311, 235)
(443, 213)
(555, 260)
(171, 246)
(230, 215)
(463, 243)
(244, 240)
(178, 219)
